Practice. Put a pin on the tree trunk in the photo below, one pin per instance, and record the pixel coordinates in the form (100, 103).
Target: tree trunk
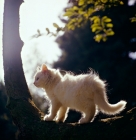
(24, 113)
(20, 100)
(12, 45)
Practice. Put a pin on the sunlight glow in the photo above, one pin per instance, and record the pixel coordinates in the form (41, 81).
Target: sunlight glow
(36, 15)
(39, 15)
(1, 28)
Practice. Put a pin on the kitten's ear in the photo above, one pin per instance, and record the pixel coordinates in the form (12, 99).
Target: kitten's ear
(44, 68)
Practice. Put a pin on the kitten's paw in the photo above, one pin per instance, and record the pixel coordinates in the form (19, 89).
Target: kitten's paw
(48, 118)
(83, 120)
(59, 120)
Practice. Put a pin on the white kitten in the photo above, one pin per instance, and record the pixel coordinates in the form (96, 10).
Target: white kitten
(83, 93)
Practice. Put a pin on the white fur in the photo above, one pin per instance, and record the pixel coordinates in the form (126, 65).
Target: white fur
(83, 93)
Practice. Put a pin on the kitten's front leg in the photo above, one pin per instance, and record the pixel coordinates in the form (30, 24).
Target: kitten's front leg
(53, 111)
(62, 114)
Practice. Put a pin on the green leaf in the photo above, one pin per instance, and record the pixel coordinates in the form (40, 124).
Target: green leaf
(103, 24)
(110, 32)
(90, 11)
(121, 2)
(133, 20)
(98, 37)
(94, 18)
(72, 21)
(98, 31)
(80, 20)
(97, 20)
(48, 31)
(105, 17)
(68, 13)
(95, 25)
(96, 28)
(104, 1)
(55, 25)
(110, 25)
(71, 27)
(75, 8)
(107, 20)
(81, 2)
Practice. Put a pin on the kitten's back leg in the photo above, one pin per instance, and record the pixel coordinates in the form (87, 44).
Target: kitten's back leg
(90, 111)
(62, 114)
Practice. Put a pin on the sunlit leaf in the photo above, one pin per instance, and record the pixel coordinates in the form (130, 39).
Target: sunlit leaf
(71, 27)
(81, 2)
(121, 3)
(133, 20)
(94, 17)
(98, 38)
(55, 25)
(86, 15)
(97, 31)
(79, 14)
(110, 33)
(97, 20)
(90, 11)
(75, 8)
(96, 28)
(90, 1)
(110, 25)
(80, 20)
(106, 19)
(68, 14)
(95, 25)
(103, 24)
(104, 1)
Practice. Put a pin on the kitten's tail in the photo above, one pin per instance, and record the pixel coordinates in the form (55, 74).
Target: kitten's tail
(107, 108)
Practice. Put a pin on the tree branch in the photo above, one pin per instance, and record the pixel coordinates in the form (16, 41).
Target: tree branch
(33, 127)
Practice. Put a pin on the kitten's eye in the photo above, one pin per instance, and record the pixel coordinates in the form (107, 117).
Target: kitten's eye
(37, 78)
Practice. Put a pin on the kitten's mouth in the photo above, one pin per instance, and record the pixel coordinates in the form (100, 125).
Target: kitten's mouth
(35, 84)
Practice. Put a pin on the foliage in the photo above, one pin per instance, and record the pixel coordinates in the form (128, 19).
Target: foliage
(57, 30)
(84, 11)
(87, 11)
(102, 28)
(133, 19)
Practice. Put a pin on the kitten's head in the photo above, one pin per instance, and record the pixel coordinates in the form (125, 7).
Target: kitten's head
(42, 76)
